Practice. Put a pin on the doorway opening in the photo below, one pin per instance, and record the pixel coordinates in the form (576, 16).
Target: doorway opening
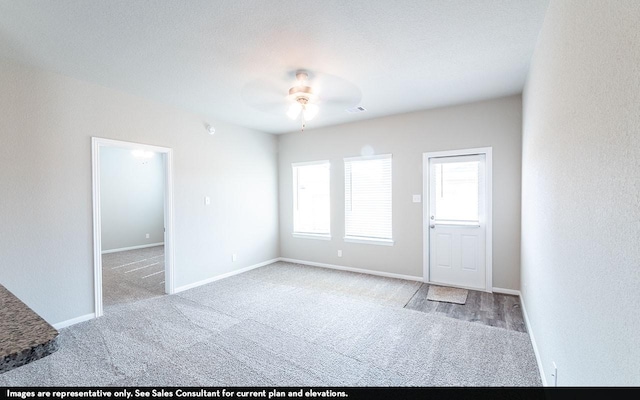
(457, 218)
(132, 221)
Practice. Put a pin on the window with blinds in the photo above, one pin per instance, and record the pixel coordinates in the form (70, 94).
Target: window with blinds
(368, 197)
(311, 201)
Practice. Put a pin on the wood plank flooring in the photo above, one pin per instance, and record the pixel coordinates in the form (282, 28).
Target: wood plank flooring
(492, 309)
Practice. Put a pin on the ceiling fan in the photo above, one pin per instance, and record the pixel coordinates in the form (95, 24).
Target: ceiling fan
(303, 100)
(304, 97)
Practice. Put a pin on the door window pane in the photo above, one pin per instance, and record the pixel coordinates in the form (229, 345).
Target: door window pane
(456, 191)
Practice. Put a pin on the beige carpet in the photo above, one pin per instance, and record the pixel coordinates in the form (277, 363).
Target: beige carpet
(380, 290)
(447, 294)
(283, 325)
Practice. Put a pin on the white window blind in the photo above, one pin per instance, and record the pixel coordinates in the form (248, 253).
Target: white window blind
(311, 201)
(368, 197)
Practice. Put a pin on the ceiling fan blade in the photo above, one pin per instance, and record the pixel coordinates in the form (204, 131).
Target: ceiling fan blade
(273, 107)
(333, 108)
(265, 95)
(336, 94)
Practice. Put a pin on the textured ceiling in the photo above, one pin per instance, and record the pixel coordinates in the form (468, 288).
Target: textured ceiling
(402, 55)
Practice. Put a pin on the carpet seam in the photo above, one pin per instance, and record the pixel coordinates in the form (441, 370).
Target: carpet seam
(413, 295)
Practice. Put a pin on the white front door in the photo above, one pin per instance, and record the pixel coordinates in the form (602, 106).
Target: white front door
(457, 221)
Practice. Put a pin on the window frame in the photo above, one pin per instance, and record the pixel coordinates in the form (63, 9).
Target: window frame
(364, 239)
(294, 174)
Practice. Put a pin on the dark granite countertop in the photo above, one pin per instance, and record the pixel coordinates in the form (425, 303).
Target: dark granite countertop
(24, 335)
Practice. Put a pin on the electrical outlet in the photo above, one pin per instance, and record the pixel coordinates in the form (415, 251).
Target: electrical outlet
(339, 253)
(234, 257)
(147, 236)
(554, 374)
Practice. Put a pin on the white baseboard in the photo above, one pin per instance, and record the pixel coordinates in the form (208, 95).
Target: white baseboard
(218, 277)
(351, 269)
(142, 246)
(506, 291)
(74, 321)
(543, 376)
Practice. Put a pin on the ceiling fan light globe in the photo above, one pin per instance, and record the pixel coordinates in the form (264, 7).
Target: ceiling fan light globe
(294, 110)
(310, 111)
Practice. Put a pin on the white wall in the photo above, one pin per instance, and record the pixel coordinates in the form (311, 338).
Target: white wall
(131, 198)
(581, 193)
(46, 125)
(496, 123)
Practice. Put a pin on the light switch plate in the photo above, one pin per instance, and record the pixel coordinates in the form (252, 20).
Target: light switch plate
(207, 200)
(417, 198)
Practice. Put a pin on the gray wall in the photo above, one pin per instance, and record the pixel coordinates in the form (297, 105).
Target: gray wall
(496, 123)
(131, 198)
(46, 123)
(581, 193)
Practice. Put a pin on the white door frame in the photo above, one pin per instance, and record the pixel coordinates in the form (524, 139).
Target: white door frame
(487, 151)
(96, 145)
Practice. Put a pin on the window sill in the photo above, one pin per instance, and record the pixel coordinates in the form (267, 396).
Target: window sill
(317, 236)
(379, 242)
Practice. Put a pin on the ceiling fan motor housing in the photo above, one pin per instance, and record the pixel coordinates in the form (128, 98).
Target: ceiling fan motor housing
(302, 92)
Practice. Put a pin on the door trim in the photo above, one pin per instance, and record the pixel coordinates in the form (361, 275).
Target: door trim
(96, 145)
(487, 151)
